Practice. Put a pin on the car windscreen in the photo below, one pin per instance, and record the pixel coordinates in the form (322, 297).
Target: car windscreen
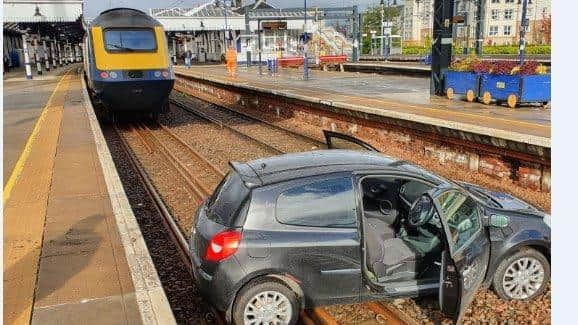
(130, 40)
(227, 200)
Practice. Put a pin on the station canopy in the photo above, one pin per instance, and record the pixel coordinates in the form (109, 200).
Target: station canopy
(206, 17)
(60, 19)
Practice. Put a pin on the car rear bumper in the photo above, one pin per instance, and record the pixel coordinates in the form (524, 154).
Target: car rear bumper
(219, 288)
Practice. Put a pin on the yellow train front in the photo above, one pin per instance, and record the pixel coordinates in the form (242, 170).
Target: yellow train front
(127, 62)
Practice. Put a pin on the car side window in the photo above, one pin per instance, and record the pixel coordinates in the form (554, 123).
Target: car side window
(326, 203)
(461, 216)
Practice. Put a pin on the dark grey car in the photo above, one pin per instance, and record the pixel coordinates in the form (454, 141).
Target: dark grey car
(339, 226)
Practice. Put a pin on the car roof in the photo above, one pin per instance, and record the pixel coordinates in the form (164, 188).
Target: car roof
(305, 164)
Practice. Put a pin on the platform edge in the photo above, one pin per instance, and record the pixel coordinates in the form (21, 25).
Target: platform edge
(151, 298)
(460, 126)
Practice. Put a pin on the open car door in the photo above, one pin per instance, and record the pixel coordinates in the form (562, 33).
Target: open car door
(337, 140)
(466, 256)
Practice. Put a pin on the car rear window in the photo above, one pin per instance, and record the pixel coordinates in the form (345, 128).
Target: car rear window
(227, 200)
(129, 40)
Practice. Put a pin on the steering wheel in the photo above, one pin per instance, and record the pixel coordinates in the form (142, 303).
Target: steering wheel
(421, 212)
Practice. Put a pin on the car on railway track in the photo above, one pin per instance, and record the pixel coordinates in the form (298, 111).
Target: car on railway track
(341, 226)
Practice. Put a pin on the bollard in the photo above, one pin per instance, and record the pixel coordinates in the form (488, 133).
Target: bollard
(46, 60)
(27, 66)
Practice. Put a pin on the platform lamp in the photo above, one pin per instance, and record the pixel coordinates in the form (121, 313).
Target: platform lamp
(305, 39)
(523, 28)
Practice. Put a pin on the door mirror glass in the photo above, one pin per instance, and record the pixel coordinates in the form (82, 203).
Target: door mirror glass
(499, 221)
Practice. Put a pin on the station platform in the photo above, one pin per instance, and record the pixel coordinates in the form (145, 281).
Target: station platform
(73, 251)
(388, 67)
(397, 97)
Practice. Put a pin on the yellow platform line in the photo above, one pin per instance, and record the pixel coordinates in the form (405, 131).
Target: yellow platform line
(25, 205)
(17, 170)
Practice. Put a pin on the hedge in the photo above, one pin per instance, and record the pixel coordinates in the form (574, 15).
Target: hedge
(496, 49)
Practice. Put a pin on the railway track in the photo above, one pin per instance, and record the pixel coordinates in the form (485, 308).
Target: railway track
(201, 176)
(268, 135)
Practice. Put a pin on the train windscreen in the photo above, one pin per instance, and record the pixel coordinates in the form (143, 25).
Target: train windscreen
(129, 40)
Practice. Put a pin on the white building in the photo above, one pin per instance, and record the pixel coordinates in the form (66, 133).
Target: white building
(503, 20)
(501, 24)
(417, 21)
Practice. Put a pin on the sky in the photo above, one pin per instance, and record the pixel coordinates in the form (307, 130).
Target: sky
(93, 7)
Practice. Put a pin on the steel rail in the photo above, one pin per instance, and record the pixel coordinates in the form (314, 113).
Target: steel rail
(296, 134)
(174, 230)
(205, 116)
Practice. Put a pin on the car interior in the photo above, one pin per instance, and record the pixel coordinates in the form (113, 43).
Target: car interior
(397, 249)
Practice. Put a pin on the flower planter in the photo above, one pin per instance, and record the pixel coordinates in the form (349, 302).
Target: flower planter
(462, 83)
(515, 89)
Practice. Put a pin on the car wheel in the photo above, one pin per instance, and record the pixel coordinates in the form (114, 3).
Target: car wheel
(266, 302)
(522, 276)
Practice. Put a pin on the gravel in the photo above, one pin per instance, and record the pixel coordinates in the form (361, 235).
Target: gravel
(187, 305)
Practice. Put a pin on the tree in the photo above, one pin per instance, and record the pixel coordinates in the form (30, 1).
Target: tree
(372, 21)
(547, 28)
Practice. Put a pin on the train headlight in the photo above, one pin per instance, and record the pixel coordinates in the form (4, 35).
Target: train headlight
(113, 74)
(157, 74)
(165, 74)
(104, 75)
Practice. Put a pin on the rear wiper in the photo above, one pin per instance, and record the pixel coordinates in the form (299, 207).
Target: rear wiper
(128, 49)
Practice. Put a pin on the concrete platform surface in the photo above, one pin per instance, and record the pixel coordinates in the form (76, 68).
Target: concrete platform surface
(399, 97)
(66, 257)
(23, 102)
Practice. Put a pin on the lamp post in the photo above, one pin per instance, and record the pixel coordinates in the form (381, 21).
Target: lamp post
(523, 28)
(226, 3)
(305, 63)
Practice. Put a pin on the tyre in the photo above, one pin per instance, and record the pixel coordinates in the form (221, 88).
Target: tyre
(266, 302)
(522, 276)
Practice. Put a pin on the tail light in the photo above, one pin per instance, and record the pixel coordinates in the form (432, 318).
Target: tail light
(104, 74)
(223, 245)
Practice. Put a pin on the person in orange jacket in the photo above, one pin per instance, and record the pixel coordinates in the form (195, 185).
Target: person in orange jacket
(231, 59)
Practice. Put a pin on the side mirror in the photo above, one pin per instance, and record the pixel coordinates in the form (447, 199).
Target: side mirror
(499, 221)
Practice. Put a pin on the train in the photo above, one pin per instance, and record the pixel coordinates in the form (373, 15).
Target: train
(127, 64)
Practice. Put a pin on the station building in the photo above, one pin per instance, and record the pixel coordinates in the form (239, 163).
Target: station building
(208, 29)
(39, 36)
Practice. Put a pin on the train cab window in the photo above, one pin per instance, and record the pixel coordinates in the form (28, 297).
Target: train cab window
(129, 40)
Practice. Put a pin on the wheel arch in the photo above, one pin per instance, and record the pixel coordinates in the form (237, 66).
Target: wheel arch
(510, 250)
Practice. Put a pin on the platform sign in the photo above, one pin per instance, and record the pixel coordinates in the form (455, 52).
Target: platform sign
(274, 25)
(460, 18)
